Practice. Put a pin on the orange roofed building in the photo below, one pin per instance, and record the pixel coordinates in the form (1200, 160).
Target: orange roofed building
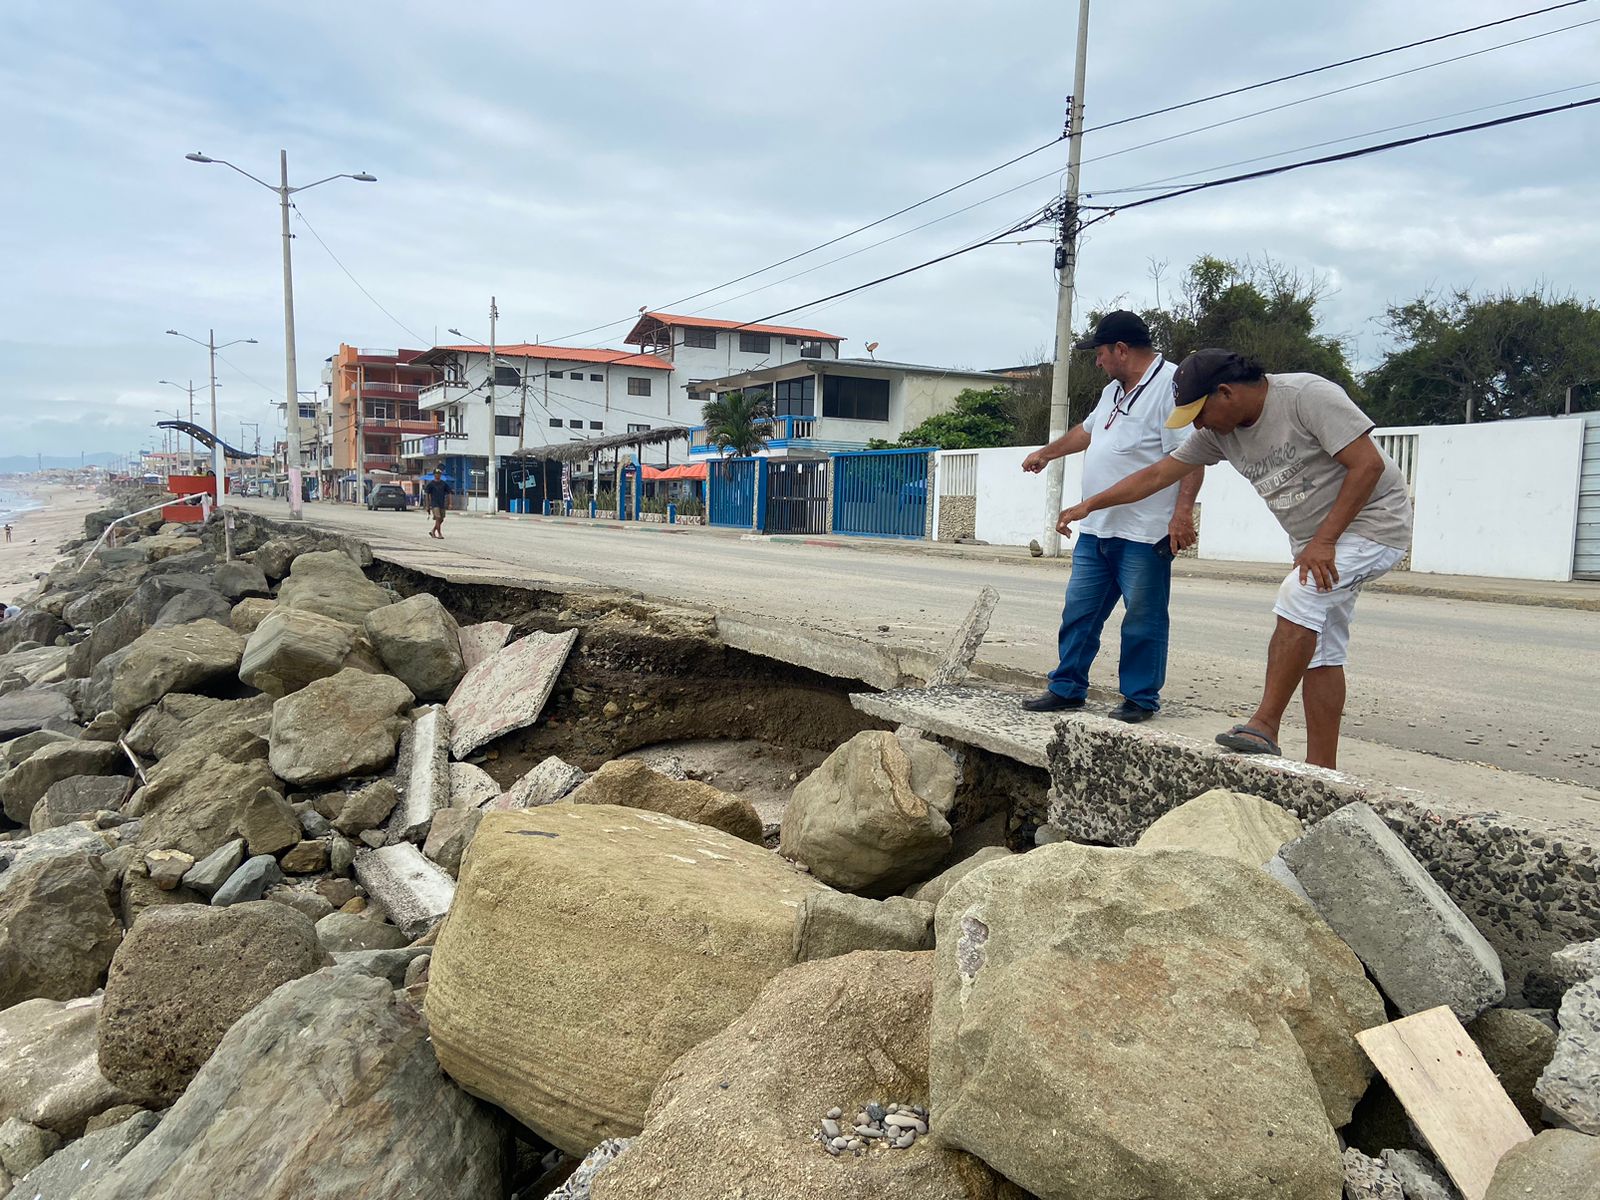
(387, 383)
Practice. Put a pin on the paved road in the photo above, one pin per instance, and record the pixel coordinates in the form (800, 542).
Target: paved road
(1515, 687)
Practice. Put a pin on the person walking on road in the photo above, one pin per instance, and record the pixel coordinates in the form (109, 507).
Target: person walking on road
(1123, 553)
(1308, 450)
(438, 493)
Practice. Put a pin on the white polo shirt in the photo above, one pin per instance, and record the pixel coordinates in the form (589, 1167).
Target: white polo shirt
(1128, 433)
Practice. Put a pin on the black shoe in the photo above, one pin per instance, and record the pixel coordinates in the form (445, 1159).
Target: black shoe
(1131, 713)
(1050, 702)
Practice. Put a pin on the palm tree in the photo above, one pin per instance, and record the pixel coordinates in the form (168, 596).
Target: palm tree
(735, 422)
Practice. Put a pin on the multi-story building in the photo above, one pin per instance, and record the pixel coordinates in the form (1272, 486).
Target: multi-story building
(701, 349)
(543, 395)
(373, 406)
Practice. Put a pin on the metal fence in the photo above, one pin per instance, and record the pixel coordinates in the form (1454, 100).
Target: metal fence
(731, 492)
(1402, 448)
(881, 493)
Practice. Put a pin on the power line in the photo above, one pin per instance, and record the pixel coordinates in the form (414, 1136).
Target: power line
(1341, 157)
(1345, 62)
(1154, 184)
(1108, 125)
(408, 330)
(1340, 90)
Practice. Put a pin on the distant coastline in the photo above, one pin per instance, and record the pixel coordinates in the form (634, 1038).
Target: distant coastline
(14, 502)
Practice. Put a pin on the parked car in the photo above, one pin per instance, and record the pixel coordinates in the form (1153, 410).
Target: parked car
(388, 495)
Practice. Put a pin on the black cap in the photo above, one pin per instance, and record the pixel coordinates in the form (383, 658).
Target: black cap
(1114, 327)
(1199, 375)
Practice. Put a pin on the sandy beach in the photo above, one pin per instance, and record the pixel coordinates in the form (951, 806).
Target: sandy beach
(36, 536)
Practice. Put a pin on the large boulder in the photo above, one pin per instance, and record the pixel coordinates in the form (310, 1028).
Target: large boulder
(30, 710)
(1558, 1164)
(195, 604)
(238, 579)
(91, 1158)
(629, 783)
(420, 644)
(49, 1073)
(57, 930)
(1234, 825)
(327, 1088)
(833, 923)
(33, 625)
(737, 1114)
(329, 583)
(197, 796)
(1518, 1047)
(182, 977)
(176, 659)
(78, 798)
(136, 614)
(692, 924)
(871, 818)
(1570, 1084)
(1183, 1026)
(346, 724)
(96, 604)
(26, 783)
(291, 647)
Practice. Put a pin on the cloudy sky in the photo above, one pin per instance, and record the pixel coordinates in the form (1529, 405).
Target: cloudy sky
(579, 161)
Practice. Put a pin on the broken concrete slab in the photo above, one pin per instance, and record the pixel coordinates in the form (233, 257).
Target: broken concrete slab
(425, 767)
(472, 787)
(479, 641)
(413, 891)
(1576, 963)
(978, 716)
(1420, 947)
(1570, 1085)
(507, 690)
(548, 782)
(963, 648)
(1523, 874)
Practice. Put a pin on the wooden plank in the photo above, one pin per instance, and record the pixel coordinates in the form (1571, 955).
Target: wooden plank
(1449, 1092)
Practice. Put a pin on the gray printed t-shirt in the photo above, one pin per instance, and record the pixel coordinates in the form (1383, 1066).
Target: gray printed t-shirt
(1287, 455)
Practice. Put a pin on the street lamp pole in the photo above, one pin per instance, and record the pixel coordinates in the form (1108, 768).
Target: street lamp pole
(190, 388)
(218, 468)
(292, 410)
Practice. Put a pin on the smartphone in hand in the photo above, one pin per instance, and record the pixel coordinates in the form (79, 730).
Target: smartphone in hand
(1165, 549)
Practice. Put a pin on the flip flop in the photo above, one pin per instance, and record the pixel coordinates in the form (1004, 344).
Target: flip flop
(1243, 740)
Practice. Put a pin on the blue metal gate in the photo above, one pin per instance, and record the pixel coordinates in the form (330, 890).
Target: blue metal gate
(731, 492)
(881, 493)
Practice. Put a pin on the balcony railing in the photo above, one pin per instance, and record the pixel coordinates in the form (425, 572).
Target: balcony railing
(779, 431)
(444, 392)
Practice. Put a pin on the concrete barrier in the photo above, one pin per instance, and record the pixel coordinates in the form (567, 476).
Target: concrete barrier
(1526, 880)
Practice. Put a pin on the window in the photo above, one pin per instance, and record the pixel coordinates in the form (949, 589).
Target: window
(577, 376)
(597, 425)
(308, 412)
(853, 399)
(795, 397)
(555, 422)
(597, 379)
(574, 424)
(557, 375)
(700, 339)
(638, 385)
(508, 426)
(811, 350)
(755, 343)
(507, 377)
(789, 341)
(638, 429)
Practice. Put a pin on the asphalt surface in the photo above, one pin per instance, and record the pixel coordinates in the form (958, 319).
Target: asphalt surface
(1509, 686)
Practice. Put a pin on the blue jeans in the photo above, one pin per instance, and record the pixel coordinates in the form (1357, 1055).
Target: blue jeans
(1105, 570)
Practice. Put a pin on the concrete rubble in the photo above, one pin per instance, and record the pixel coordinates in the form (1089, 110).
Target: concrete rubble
(242, 872)
(1419, 946)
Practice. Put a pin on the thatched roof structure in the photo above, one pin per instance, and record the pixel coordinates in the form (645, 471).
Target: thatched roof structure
(584, 450)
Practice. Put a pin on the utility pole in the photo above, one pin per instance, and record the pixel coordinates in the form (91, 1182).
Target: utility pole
(522, 428)
(494, 458)
(218, 467)
(1068, 251)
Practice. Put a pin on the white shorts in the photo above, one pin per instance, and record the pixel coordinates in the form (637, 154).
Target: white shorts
(1358, 560)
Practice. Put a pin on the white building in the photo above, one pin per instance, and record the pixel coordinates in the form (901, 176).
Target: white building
(700, 349)
(543, 396)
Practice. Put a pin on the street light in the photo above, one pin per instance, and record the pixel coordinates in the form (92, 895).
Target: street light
(190, 388)
(292, 410)
(217, 468)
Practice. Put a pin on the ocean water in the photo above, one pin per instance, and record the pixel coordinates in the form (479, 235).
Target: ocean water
(14, 503)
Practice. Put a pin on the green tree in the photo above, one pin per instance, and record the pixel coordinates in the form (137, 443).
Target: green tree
(1464, 358)
(978, 418)
(1265, 310)
(736, 422)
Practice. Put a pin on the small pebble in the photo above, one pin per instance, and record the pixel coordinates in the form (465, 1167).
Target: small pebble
(868, 1131)
(833, 1150)
(857, 1144)
(838, 1143)
(875, 1111)
(835, 1113)
(830, 1127)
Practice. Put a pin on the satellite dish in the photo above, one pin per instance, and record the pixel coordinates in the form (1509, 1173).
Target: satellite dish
(871, 346)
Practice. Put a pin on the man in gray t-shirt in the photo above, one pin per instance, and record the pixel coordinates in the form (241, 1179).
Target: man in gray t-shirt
(1306, 448)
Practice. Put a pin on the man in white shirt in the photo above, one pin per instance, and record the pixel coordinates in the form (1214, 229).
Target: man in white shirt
(1123, 553)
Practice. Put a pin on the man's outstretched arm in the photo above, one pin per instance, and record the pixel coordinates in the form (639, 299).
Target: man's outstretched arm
(1135, 487)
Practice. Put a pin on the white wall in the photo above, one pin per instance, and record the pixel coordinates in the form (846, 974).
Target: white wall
(1011, 502)
(1498, 499)
(1235, 523)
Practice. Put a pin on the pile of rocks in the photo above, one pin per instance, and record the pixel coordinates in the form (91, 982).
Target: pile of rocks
(876, 1126)
(269, 926)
